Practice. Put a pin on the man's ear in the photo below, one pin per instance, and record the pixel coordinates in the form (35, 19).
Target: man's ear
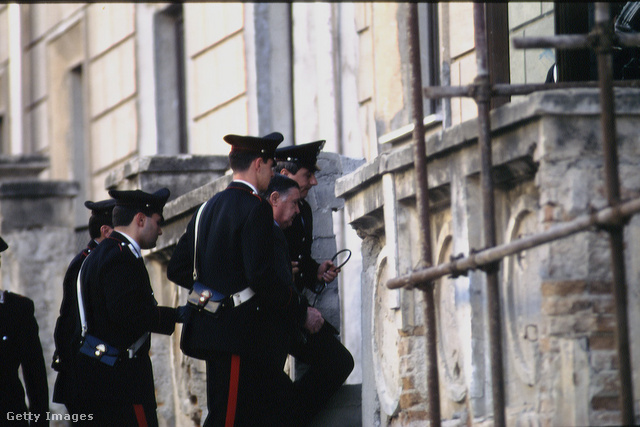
(105, 231)
(257, 163)
(274, 198)
(140, 218)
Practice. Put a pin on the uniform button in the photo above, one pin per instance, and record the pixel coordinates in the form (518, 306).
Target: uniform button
(301, 274)
(304, 238)
(299, 256)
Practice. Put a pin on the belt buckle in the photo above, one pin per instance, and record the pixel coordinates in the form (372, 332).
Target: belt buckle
(237, 299)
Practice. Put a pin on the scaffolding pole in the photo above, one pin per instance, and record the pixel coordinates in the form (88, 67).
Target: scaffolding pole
(494, 314)
(422, 204)
(460, 265)
(616, 231)
(612, 219)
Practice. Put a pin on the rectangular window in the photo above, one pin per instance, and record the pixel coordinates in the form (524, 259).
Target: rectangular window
(429, 52)
(78, 150)
(2, 149)
(171, 120)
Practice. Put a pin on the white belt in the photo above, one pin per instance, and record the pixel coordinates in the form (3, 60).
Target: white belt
(243, 296)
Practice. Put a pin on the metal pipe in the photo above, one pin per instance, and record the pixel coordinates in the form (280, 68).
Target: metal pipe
(504, 89)
(605, 218)
(626, 39)
(558, 42)
(422, 205)
(483, 100)
(616, 232)
(572, 41)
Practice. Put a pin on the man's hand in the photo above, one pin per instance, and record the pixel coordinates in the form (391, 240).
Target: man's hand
(294, 267)
(314, 320)
(327, 272)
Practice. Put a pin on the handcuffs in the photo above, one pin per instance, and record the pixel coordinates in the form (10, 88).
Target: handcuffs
(322, 285)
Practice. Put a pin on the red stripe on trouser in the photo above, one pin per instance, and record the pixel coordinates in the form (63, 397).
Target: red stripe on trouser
(142, 419)
(233, 390)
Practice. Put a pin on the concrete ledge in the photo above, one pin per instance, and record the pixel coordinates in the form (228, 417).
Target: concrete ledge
(14, 168)
(568, 102)
(35, 204)
(180, 174)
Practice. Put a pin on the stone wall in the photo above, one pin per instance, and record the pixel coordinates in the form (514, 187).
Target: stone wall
(36, 221)
(557, 306)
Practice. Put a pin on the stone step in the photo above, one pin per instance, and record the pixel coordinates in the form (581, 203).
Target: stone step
(344, 409)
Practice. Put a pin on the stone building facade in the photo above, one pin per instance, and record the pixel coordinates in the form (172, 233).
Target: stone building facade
(558, 312)
(96, 96)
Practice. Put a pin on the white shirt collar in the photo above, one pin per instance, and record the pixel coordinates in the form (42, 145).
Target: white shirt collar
(247, 184)
(135, 247)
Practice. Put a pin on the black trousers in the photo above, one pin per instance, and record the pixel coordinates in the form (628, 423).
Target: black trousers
(329, 364)
(250, 391)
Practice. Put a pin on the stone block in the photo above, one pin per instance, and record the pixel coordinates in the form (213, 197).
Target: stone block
(365, 73)
(113, 78)
(606, 383)
(416, 418)
(219, 85)
(208, 23)
(4, 32)
(407, 382)
(410, 399)
(562, 325)
(603, 360)
(556, 306)
(602, 341)
(34, 204)
(606, 417)
(600, 287)
(34, 67)
(562, 288)
(516, 60)
(605, 403)
(604, 306)
(606, 322)
(461, 36)
(180, 174)
(45, 16)
(207, 131)
(523, 12)
(109, 24)
(114, 136)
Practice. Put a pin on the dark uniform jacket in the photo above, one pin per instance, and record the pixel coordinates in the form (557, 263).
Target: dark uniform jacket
(236, 251)
(285, 275)
(299, 238)
(120, 308)
(67, 332)
(20, 345)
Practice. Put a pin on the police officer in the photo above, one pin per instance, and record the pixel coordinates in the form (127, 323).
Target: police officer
(120, 311)
(246, 384)
(20, 347)
(328, 362)
(67, 330)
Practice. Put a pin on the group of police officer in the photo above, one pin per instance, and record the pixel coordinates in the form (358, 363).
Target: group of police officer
(254, 248)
